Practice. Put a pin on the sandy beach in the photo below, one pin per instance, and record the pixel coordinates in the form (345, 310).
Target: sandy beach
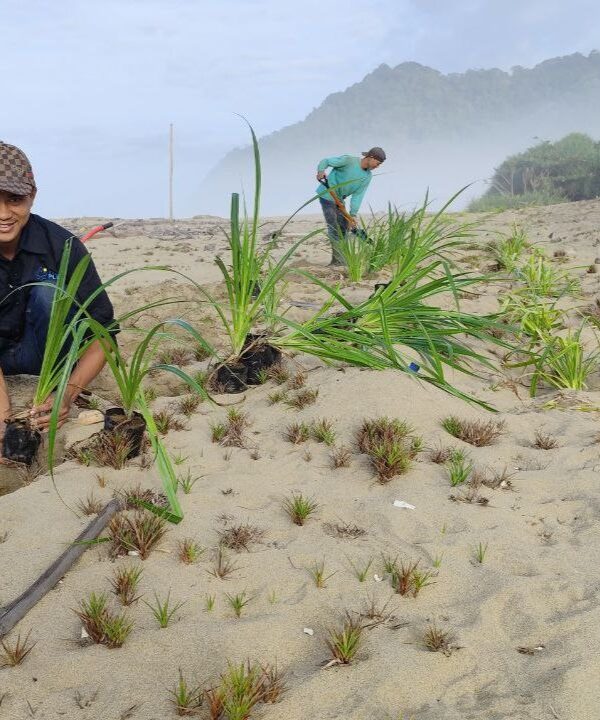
(523, 617)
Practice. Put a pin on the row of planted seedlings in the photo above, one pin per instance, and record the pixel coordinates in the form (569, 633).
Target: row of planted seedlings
(550, 353)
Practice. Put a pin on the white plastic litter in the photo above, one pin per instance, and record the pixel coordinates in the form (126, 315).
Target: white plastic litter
(309, 631)
(84, 634)
(402, 504)
(377, 578)
(133, 553)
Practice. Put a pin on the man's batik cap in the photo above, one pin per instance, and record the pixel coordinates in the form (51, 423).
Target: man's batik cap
(16, 174)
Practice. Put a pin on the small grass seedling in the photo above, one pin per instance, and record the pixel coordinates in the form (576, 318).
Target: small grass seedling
(139, 533)
(299, 508)
(437, 561)
(297, 381)
(407, 579)
(124, 582)
(480, 552)
(303, 399)
(273, 683)
(323, 431)
(103, 626)
(179, 459)
(459, 468)
(390, 445)
(272, 597)
(440, 454)
(223, 567)
(238, 602)
(277, 396)
(233, 432)
(90, 506)
(186, 698)
(341, 457)
(390, 564)
(166, 420)
(297, 433)
(241, 688)
(438, 640)
(13, 654)
(475, 432)
(162, 610)
(209, 602)
(344, 530)
(279, 374)
(544, 442)
(186, 482)
(262, 376)
(361, 571)
(317, 572)
(189, 551)
(189, 404)
(344, 642)
(241, 536)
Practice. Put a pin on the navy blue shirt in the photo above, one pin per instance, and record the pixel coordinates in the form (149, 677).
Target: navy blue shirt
(38, 257)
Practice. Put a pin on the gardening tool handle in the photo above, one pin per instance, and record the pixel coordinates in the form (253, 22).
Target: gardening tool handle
(339, 204)
(94, 231)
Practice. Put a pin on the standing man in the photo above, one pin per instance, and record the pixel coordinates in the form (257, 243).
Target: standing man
(30, 251)
(350, 177)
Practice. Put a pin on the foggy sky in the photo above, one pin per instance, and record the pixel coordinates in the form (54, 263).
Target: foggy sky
(90, 87)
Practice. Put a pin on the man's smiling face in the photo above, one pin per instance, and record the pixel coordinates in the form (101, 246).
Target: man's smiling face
(14, 214)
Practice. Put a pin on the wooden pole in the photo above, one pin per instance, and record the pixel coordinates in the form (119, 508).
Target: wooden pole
(171, 172)
(16, 610)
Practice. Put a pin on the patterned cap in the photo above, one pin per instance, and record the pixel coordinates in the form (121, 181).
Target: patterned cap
(16, 174)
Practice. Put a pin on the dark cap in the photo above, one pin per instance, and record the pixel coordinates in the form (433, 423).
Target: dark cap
(16, 174)
(377, 153)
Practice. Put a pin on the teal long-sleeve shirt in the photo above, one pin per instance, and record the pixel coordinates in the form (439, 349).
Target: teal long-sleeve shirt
(349, 175)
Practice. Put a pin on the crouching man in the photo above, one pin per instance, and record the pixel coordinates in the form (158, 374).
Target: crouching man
(30, 251)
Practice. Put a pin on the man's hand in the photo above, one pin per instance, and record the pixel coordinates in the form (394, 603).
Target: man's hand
(321, 174)
(40, 415)
(352, 222)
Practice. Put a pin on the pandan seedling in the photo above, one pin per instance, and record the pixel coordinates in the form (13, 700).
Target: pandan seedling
(238, 602)
(223, 567)
(241, 536)
(300, 508)
(90, 506)
(303, 399)
(323, 431)
(139, 533)
(480, 552)
(209, 602)
(13, 654)
(361, 571)
(189, 404)
(459, 468)
(475, 432)
(344, 642)
(341, 457)
(297, 433)
(186, 482)
(103, 626)
(162, 610)
(317, 572)
(544, 442)
(125, 583)
(277, 397)
(438, 640)
(541, 278)
(186, 698)
(189, 551)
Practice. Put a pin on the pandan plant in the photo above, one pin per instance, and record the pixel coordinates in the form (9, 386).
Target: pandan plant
(134, 416)
(65, 343)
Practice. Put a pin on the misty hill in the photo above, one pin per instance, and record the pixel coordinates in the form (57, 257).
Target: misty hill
(441, 131)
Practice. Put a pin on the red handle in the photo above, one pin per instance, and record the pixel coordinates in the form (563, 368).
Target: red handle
(94, 230)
